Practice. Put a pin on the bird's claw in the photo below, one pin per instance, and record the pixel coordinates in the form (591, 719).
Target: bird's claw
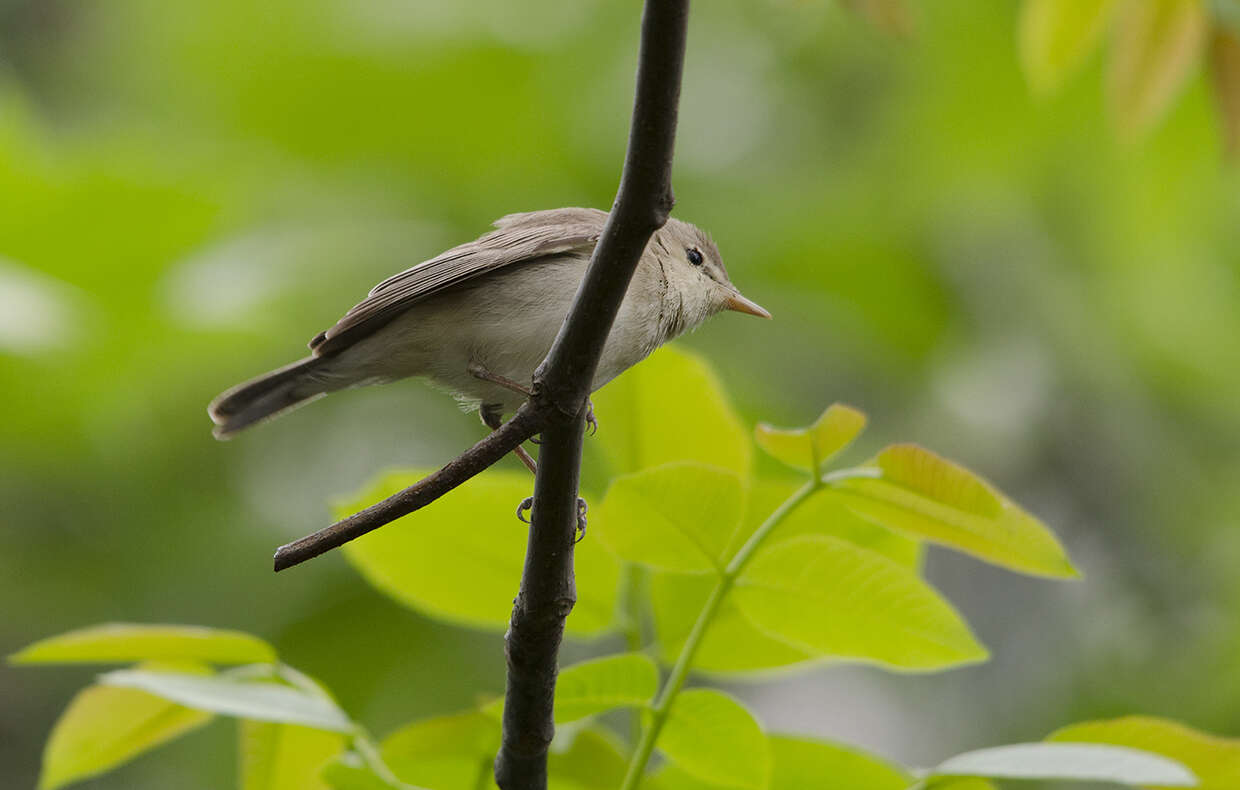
(582, 508)
(591, 422)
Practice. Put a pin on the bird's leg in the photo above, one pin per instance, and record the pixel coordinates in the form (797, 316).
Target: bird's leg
(490, 414)
(481, 373)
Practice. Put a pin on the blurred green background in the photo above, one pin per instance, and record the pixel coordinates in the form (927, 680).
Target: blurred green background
(190, 190)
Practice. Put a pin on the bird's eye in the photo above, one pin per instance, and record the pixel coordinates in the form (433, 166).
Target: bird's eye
(694, 255)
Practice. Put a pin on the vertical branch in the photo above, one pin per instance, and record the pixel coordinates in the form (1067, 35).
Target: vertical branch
(548, 592)
(561, 385)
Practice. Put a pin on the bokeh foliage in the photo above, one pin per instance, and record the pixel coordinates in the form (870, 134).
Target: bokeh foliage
(189, 190)
(815, 591)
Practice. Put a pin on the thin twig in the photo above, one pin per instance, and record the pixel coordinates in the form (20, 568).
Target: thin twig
(564, 381)
(524, 424)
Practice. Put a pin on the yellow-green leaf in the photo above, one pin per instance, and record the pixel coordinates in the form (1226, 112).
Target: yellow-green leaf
(593, 761)
(1214, 760)
(679, 517)
(837, 599)
(246, 699)
(627, 680)
(921, 494)
(809, 448)
(823, 515)
(1157, 45)
(349, 771)
(285, 756)
(671, 407)
(802, 763)
(104, 727)
(1082, 762)
(1057, 35)
(714, 738)
(460, 558)
(1225, 73)
(446, 751)
(732, 644)
(955, 783)
(132, 642)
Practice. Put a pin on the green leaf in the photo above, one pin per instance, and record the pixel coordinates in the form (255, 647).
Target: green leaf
(714, 738)
(593, 761)
(246, 699)
(628, 680)
(1069, 761)
(460, 558)
(923, 495)
(810, 448)
(285, 756)
(349, 771)
(809, 764)
(104, 727)
(835, 598)
(676, 517)
(954, 783)
(822, 515)
(732, 644)
(444, 752)
(1214, 760)
(129, 642)
(669, 408)
(1157, 45)
(625, 680)
(1057, 35)
(800, 763)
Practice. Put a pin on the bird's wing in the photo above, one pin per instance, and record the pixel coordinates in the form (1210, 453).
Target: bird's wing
(518, 238)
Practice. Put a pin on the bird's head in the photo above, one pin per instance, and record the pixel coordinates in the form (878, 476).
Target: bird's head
(695, 273)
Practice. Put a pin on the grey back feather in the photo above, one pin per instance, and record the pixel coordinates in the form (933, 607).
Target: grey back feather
(518, 238)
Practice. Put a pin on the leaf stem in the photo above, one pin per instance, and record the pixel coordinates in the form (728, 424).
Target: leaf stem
(632, 618)
(680, 672)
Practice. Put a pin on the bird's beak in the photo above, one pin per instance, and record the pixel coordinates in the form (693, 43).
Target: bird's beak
(742, 305)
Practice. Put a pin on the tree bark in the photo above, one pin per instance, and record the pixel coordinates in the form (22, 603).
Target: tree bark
(562, 382)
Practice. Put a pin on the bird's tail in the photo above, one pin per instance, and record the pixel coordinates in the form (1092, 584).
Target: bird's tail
(269, 395)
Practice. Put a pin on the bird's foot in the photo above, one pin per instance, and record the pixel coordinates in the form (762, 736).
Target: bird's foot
(591, 422)
(582, 509)
(527, 505)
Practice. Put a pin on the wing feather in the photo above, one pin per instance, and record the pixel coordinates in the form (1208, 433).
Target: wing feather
(518, 238)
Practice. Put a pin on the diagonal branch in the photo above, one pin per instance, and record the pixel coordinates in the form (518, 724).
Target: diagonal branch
(524, 424)
(564, 380)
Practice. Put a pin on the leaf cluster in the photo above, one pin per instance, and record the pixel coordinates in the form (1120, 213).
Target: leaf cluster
(703, 566)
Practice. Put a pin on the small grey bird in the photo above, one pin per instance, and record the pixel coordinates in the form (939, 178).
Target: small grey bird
(479, 318)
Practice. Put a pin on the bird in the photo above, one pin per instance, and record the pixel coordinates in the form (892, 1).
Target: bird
(478, 319)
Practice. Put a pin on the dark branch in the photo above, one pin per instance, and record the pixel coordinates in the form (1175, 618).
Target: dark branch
(548, 593)
(563, 382)
(556, 410)
(524, 424)
(642, 205)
